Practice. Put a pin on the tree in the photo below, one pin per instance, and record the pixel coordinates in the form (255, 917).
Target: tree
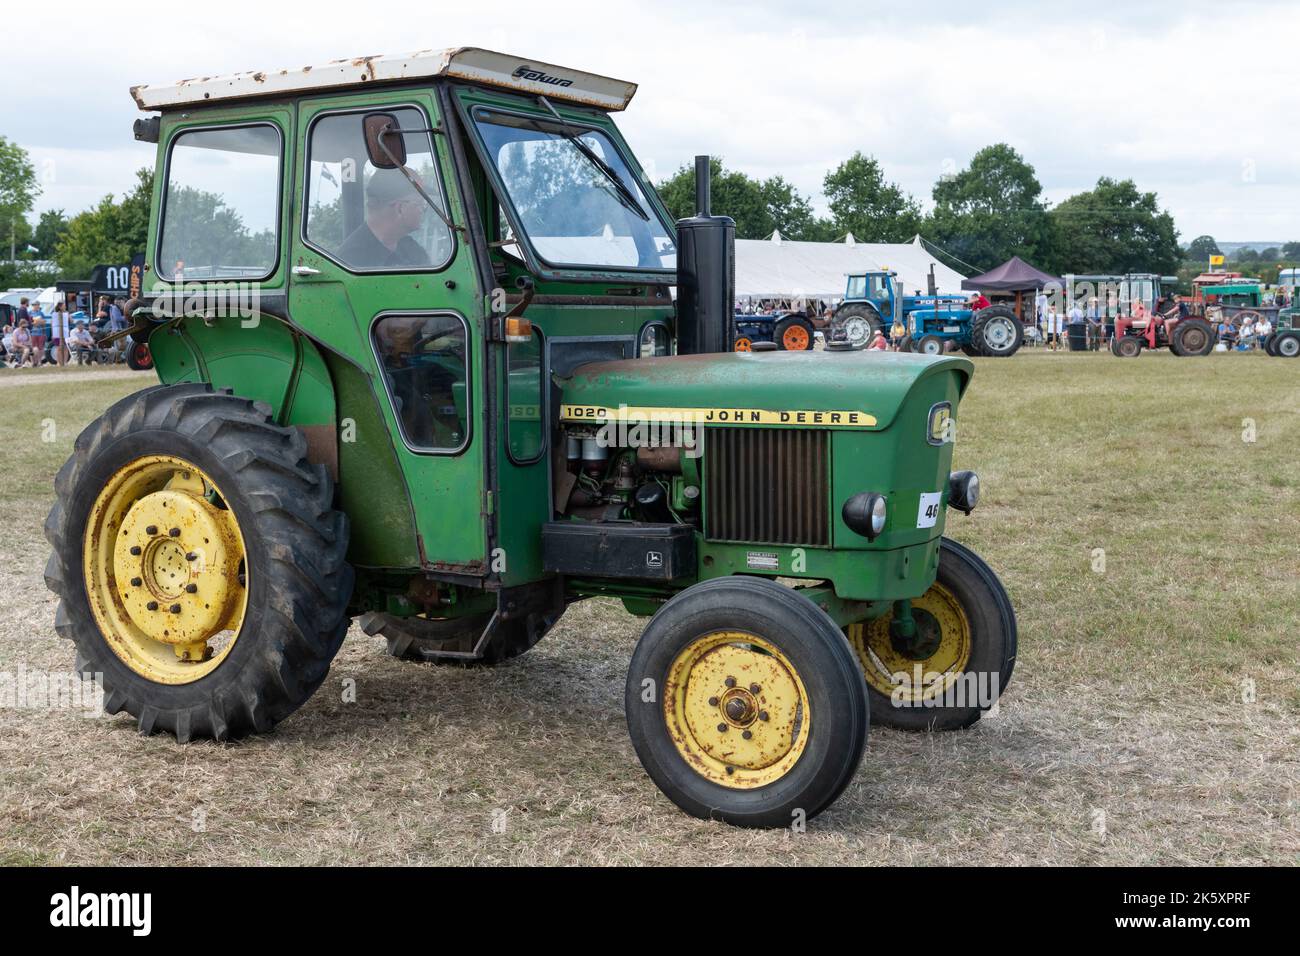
(758, 206)
(1115, 229)
(18, 189)
(1201, 248)
(863, 203)
(991, 210)
(1291, 251)
(50, 228)
(110, 233)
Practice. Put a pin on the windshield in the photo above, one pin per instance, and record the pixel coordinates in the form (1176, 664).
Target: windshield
(575, 197)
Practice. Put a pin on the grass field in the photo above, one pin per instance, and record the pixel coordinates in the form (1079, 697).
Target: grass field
(1152, 718)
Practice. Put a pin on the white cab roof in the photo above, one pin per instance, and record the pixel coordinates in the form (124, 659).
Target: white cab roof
(465, 63)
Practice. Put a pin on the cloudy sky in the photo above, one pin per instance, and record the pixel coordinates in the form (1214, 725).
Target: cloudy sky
(1197, 101)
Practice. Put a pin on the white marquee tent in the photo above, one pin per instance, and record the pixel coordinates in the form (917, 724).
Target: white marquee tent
(778, 268)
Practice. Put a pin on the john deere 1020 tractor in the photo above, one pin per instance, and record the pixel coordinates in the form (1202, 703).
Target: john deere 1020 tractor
(421, 365)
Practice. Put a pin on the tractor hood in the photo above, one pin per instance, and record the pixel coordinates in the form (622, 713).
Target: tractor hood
(861, 389)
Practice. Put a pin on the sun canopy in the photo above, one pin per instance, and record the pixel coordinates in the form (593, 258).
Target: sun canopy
(780, 268)
(1014, 275)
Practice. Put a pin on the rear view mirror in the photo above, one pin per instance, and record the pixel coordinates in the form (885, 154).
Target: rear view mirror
(385, 144)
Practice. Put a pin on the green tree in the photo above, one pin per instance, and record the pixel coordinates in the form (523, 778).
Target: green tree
(18, 191)
(863, 203)
(1201, 248)
(1114, 229)
(1291, 251)
(49, 230)
(992, 210)
(758, 206)
(110, 233)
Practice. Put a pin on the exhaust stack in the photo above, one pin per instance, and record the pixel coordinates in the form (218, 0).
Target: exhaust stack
(706, 274)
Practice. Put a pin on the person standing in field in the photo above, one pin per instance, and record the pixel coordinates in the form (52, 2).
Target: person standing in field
(1051, 327)
(60, 330)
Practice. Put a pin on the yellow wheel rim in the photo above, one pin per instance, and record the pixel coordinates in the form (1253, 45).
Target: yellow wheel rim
(165, 569)
(737, 710)
(944, 633)
(744, 345)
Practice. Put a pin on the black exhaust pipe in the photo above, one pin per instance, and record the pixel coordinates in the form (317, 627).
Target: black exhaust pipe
(706, 274)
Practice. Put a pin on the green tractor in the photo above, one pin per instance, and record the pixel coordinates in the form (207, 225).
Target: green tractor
(420, 366)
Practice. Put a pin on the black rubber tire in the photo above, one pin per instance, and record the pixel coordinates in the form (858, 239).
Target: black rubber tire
(778, 333)
(980, 321)
(929, 345)
(1287, 345)
(426, 641)
(970, 350)
(1127, 346)
(905, 344)
(296, 546)
(859, 309)
(1201, 336)
(1267, 344)
(825, 663)
(993, 641)
(138, 356)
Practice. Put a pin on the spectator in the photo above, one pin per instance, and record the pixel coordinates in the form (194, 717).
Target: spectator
(22, 350)
(7, 343)
(1246, 337)
(878, 343)
(1263, 328)
(1096, 331)
(1040, 308)
(60, 329)
(897, 332)
(81, 342)
(1226, 332)
(1052, 327)
(40, 335)
(22, 315)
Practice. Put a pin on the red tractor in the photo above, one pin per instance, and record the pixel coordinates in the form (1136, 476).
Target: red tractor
(1161, 328)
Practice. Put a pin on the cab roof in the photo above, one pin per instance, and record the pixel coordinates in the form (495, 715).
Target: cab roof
(468, 63)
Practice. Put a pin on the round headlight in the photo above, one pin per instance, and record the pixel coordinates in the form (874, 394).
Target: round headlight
(964, 490)
(865, 513)
(877, 515)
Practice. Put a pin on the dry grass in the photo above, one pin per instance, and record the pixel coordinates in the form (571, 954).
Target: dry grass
(1127, 702)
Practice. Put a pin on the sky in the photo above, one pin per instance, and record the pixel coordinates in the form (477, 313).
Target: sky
(1195, 101)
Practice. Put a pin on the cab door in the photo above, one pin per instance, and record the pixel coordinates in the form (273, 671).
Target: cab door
(390, 283)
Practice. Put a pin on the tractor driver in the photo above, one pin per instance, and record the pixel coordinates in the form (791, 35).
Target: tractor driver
(394, 210)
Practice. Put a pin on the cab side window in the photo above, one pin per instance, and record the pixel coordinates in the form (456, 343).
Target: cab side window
(426, 373)
(368, 219)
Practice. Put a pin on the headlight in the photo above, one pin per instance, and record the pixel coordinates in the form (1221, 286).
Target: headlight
(866, 513)
(963, 490)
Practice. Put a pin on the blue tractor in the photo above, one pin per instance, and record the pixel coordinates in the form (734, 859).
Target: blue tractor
(873, 300)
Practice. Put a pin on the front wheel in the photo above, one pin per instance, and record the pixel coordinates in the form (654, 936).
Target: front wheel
(1126, 346)
(955, 659)
(794, 335)
(745, 703)
(1287, 345)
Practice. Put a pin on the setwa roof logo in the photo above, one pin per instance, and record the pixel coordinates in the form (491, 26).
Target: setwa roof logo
(526, 72)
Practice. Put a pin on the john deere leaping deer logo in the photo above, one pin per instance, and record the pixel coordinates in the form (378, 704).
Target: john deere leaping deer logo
(526, 72)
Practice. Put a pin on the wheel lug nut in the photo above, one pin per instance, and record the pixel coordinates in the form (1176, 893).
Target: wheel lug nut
(731, 770)
(136, 582)
(747, 734)
(175, 532)
(135, 550)
(713, 702)
(176, 609)
(191, 588)
(151, 606)
(730, 682)
(191, 556)
(151, 530)
(762, 715)
(755, 689)
(722, 728)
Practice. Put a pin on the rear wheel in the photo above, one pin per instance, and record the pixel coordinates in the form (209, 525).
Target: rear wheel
(794, 334)
(1287, 345)
(1127, 346)
(1192, 337)
(745, 703)
(859, 323)
(996, 332)
(945, 672)
(199, 563)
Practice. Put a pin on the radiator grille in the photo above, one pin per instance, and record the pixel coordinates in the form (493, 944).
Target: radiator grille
(767, 485)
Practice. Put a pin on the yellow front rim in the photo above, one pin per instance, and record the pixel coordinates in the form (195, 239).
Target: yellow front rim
(942, 624)
(737, 710)
(165, 568)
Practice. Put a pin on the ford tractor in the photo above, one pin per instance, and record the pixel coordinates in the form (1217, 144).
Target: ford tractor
(874, 302)
(419, 367)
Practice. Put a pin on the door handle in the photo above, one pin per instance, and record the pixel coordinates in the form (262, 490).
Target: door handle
(301, 270)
